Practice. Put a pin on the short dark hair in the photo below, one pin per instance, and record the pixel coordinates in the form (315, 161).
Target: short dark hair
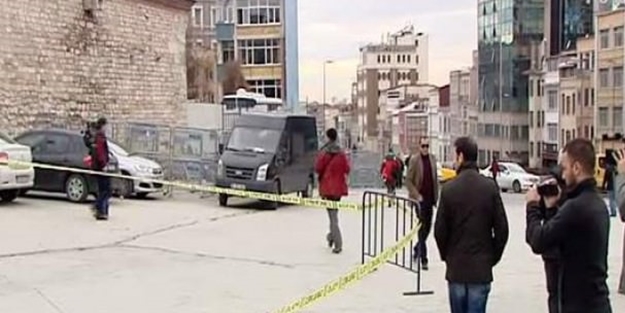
(332, 134)
(582, 151)
(467, 147)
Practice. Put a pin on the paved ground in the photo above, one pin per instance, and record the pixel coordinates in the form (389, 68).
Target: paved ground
(186, 255)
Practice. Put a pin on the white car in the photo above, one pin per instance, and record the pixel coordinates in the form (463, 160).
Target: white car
(139, 167)
(512, 176)
(14, 178)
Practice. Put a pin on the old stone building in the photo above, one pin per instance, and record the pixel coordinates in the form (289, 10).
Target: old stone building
(62, 63)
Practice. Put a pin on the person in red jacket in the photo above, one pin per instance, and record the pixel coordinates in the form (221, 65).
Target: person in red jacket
(388, 171)
(332, 167)
(100, 160)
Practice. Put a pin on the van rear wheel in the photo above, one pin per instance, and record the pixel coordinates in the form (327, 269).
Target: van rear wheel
(273, 205)
(310, 187)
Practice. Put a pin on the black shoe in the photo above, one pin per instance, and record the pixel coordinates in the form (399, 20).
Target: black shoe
(101, 217)
(424, 265)
(330, 241)
(337, 250)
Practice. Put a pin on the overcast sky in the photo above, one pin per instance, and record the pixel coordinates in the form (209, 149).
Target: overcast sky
(335, 29)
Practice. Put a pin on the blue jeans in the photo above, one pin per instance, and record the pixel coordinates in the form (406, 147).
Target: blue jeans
(468, 298)
(104, 194)
(612, 202)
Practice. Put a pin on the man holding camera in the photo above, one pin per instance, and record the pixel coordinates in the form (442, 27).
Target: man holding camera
(579, 231)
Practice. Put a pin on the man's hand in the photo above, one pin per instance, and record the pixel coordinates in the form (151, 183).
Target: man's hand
(532, 195)
(619, 156)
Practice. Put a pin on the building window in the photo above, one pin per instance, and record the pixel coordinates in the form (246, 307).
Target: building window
(215, 16)
(605, 38)
(255, 12)
(198, 16)
(603, 118)
(271, 88)
(259, 51)
(379, 59)
(530, 88)
(552, 131)
(586, 97)
(573, 103)
(531, 149)
(229, 14)
(532, 119)
(617, 77)
(586, 132)
(227, 51)
(619, 32)
(552, 98)
(604, 77)
(409, 59)
(568, 105)
(617, 119)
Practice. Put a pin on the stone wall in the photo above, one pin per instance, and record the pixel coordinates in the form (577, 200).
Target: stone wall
(60, 66)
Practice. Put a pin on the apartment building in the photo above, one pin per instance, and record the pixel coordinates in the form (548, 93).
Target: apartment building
(400, 59)
(609, 82)
(440, 124)
(261, 35)
(536, 105)
(576, 112)
(463, 112)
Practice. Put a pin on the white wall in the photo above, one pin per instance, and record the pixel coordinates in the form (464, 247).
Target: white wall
(203, 115)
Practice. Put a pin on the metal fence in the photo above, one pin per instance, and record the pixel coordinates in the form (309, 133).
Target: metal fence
(186, 154)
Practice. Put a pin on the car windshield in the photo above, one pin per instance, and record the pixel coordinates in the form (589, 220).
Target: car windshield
(117, 150)
(4, 139)
(515, 168)
(254, 139)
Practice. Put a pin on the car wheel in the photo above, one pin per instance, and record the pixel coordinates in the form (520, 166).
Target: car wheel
(8, 195)
(273, 205)
(223, 199)
(76, 188)
(516, 186)
(142, 195)
(310, 187)
(128, 186)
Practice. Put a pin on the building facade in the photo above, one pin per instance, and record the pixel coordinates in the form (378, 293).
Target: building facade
(462, 111)
(506, 30)
(609, 82)
(440, 124)
(399, 60)
(64, 64)
(262, 36)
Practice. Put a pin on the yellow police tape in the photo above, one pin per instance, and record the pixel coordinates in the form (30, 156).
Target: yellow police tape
(353, 276)
(288, 199)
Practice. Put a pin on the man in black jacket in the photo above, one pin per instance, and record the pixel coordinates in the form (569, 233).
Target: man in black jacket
(471, 231)
(579, 230)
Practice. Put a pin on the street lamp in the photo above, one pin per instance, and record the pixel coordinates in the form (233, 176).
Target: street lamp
(323, 104)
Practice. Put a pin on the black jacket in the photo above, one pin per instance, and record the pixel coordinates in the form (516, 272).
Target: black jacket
(580, 231)
(471, 228)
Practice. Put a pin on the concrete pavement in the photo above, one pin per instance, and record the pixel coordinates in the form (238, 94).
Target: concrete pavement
(188, 255)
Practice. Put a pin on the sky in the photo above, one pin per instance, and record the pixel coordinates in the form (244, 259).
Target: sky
(335, 29)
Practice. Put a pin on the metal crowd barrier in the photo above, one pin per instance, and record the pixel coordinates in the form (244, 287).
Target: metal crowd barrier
(387, 217)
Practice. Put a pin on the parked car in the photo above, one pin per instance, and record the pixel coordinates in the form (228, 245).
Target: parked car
(444, 174)
(512, 176)
(15, 177)
(62, 148)
(140, 167)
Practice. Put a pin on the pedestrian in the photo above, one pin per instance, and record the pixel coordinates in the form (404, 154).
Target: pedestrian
(620, 199)
(579, 230)
(399, 174)
(422, 184)
(99, 161)
(332, 167)
(608, 186)
(388, 172)
(471, 231)
(494, 169)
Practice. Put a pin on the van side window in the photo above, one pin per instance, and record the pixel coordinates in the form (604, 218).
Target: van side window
(298, 146)
(310, 135)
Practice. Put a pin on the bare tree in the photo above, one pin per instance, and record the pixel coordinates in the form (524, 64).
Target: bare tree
(200, 74)
(234, 78)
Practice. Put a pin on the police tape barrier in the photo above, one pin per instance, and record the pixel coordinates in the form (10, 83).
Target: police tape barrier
(287, 199)
(337, 285)
(355, 275)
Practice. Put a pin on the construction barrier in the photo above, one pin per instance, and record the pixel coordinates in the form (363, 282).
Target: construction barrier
(323, 292)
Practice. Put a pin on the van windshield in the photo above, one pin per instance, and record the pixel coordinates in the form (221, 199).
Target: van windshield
(254, 139)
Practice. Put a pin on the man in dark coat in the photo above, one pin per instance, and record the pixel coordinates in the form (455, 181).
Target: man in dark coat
(471, 231)
(100, 160)
(579, 230)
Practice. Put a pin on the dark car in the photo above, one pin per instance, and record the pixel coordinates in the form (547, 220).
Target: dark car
(272, 153)
(62, 148)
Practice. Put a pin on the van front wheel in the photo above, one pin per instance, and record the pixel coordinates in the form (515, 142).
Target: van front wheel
(223, 199)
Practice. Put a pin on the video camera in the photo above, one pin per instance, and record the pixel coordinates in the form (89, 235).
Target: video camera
(551, 186)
